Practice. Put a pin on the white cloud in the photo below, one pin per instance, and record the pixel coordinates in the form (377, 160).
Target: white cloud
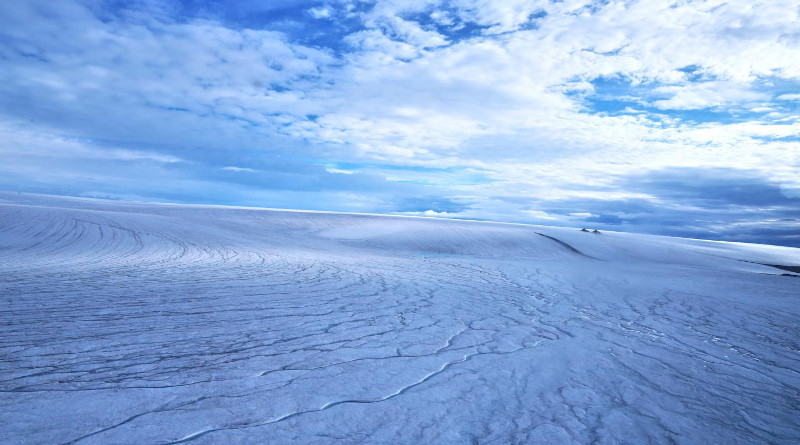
(704, 95)
(21, 140)
(500, 16)
(339, 171)
(513, 85)
(511, 99)
(239, 169)
(320, 12)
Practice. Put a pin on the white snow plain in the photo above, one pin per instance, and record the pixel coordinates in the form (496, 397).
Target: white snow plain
(137, 323)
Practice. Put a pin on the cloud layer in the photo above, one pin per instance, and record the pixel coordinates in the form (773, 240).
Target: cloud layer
(639, 115)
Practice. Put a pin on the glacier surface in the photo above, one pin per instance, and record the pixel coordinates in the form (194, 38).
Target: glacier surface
(141, 323)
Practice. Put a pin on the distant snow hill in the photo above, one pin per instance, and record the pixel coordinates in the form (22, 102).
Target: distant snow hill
(138, 323)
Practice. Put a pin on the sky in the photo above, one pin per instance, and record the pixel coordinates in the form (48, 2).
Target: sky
(669, 117)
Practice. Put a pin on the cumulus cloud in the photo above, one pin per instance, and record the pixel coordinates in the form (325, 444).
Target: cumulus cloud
(492, 109)
(320, 12)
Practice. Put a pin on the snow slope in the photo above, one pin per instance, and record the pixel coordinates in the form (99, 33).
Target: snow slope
(133, 323)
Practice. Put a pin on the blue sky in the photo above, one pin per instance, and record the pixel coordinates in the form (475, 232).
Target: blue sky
(669, 117)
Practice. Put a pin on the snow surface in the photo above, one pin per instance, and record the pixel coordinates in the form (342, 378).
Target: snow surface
(136, 323)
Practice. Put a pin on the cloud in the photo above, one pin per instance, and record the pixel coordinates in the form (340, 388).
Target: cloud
(20, 140)
(480, 109)
(239, 169)
(705, 95)
(339, 171)
(715, 203)
(320, 12)
(715, 188)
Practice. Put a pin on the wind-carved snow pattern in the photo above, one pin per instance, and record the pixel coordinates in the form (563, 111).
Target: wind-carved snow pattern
(134, 323)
